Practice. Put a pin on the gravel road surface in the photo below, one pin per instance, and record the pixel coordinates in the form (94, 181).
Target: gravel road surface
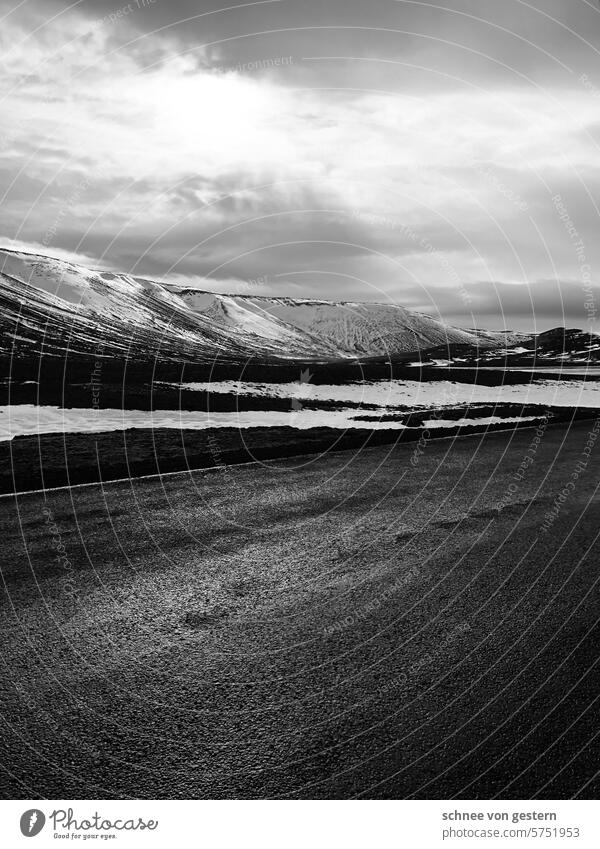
(359, 624)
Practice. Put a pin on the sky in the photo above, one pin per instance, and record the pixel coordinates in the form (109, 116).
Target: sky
(439, 155)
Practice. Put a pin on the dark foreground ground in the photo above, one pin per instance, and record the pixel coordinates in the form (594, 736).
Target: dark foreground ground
(355, 624)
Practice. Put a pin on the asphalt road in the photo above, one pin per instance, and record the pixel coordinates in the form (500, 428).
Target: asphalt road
(353, 625)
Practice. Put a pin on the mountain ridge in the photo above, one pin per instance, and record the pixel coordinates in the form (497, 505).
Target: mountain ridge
(54, 306)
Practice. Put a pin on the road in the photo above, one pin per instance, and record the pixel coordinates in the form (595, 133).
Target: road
(353, 625)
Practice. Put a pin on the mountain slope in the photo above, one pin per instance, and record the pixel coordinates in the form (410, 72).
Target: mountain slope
(350, 328)
(51, 305)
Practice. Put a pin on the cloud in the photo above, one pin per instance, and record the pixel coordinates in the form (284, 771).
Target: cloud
(43, 250)
(532, 307)
(424, 157)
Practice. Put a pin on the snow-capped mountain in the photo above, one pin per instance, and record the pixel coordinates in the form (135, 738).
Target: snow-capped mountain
(51, 305)
(345, 328)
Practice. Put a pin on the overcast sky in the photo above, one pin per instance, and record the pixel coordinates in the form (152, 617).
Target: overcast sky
(346, 149)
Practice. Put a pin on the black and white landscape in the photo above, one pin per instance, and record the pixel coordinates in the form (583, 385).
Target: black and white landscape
(299, 401)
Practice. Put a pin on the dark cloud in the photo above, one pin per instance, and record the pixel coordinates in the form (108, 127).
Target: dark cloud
(537, 306)
(474, 40)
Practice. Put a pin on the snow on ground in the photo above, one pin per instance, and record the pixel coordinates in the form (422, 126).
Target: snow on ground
(484, 420)
(578, 371)
(417, 395)
(26, 419)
